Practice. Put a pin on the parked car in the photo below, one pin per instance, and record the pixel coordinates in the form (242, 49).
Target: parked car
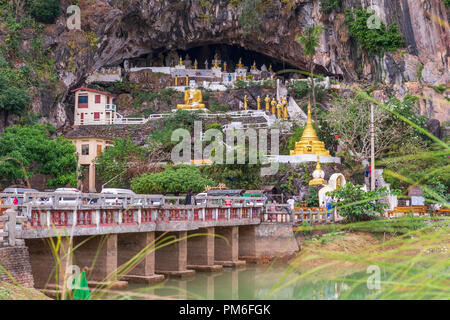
(200, 198)
(117, 195)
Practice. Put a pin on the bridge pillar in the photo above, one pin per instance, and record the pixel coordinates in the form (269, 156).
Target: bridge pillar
(171, 260)
(247, 244)
(128, 246)
(200, 250)
(99, 254)
(226, 252)
(46, 272)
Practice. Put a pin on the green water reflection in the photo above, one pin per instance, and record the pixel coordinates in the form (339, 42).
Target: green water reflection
(255, 282)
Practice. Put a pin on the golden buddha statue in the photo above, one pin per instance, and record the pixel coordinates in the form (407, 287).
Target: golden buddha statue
(240, 65)
(245, 103)
(192, 98)
(285, 112)
(195, 64)
(309, 142)
(267, 99)
(274, 106)
(180, 63)
(279, 107)
(258, 103)
(254, 65)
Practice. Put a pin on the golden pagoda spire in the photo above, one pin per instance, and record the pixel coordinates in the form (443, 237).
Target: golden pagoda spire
(309, 142)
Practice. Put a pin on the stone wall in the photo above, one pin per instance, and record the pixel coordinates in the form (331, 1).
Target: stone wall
(16, 261)
(275, 240)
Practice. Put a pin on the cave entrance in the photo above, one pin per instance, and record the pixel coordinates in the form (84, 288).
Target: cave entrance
(229, 54)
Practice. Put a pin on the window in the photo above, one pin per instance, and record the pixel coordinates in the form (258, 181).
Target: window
(96, 116)
(85, 149)
(83, 102)
(99, 149)
(97, 98)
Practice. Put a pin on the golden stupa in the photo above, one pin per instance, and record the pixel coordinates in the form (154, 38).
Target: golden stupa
(309, 142)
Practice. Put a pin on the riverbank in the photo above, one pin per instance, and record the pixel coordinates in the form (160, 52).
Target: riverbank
(12, 292)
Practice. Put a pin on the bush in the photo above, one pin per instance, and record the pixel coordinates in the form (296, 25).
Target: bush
(356, 204)
(172, 180)
(329, 5)
(375, 41)
(302, 89)
(45, 10)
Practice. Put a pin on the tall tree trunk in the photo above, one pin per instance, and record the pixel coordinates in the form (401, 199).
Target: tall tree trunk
(313, 89)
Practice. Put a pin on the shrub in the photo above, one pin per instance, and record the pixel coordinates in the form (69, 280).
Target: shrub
(375, 41)
(45, 10)
(330, 5)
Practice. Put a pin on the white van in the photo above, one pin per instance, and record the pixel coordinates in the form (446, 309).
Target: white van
(200, 198)
(117, 195)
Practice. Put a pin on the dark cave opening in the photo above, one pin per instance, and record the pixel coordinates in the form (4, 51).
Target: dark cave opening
(226, 53)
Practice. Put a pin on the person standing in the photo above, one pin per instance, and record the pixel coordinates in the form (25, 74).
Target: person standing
(15, 201)
(188, 199)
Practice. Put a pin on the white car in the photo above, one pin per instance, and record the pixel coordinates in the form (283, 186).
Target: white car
(200, 198)
(70, 200)
(115, 195)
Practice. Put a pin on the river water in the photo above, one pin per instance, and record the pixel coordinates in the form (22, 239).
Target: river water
(252, 282)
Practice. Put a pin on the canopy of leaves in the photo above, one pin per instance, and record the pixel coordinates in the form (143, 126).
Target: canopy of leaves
(374, 40)
(356, 204)
(330, 5)
(45, 10)
(115, 161)
(32, 147)
(13, 96)
(176, 179)
(350, 120)
(302, 89)
(309, 40)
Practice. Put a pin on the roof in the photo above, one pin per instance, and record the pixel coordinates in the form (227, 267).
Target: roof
(92, 90)
(224, 192)
(253, 191)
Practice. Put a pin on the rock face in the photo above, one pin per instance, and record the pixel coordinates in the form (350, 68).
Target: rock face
(129, 29)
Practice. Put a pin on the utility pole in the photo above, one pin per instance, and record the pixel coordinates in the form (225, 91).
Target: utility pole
(372, 152)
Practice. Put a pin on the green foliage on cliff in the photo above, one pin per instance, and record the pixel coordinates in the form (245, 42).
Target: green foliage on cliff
(447, 3)
(252, 15)
(373, 40)
(33, 148)
(45, 11)
(176, 179)
(329, 5)
(301, 89)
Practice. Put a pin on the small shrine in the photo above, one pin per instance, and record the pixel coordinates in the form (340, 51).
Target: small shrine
(318, 175)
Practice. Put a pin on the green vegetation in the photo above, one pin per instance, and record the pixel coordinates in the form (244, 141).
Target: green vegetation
(182, 119)
(174, 179)
(252, 15)
(309, 41)
(45, 10)
(357, 205)
(29, 150)
(329, 5)
(301, 89)
(447, 3)
(216, 106)
(113, 163)
(440, 88)
(373, 40)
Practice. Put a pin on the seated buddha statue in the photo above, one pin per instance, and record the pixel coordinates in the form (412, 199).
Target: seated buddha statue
(192, 98)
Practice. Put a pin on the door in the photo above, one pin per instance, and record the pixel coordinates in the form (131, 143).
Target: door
(81, 118)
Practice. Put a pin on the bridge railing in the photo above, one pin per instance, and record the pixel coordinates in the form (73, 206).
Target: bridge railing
(10, 227)
(277, 213)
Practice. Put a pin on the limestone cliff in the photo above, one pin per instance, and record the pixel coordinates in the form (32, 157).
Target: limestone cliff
(114, 30)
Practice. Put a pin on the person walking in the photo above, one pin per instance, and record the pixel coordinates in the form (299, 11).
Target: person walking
(188, 199)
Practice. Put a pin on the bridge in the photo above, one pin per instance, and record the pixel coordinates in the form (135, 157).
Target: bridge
(103, 235)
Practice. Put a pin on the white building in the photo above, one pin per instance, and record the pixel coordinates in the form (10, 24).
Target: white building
(93, 107)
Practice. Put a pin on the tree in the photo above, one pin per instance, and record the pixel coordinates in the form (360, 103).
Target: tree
(45, 11)
(175, 179)
(356, 204)
(250, 18)
(125, 160)
(13, 97)
(309, 42)
(33, 148)
(350, 120)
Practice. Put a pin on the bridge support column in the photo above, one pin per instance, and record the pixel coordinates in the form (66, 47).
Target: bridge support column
(171, 260)
(247, 244)
(99, 254)
(128, 246)
(46, 272)
(226, 252)
(200, 250)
